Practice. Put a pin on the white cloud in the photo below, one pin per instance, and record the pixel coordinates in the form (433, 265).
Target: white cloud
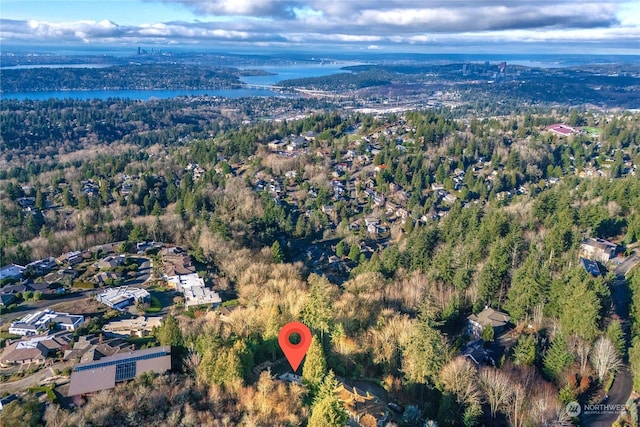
(369, 23)
(254, 8)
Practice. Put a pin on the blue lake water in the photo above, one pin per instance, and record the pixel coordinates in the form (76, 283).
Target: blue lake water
(288, 72)
(278, 73)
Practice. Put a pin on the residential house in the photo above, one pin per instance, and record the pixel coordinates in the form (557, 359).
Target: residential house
(63, 276)
(289, 377)
(138, 327)
(487, 317)
(450, 198)
(93, 347)
(276, 145)
(590, 266)
(41, 321)
(310, 135)
(328, 209)
(376, 229)
(147, 247)
(103, 374)
(364, 408)
(106, 277)
(379, 199)
(28, 285)
(16, 288)
(13, 272)
(478, 353)
(35, 349)
(27, 202)
(194, 291)
(70, 258)
(42, 266)
(402, 213)
(110, 262)
(175, 261)
(121, 297)
(371, 221)
(90, 188)
(598, 249)
(196, 170)
(6, 299)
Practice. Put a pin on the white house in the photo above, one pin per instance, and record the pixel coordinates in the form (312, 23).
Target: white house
(40, 321)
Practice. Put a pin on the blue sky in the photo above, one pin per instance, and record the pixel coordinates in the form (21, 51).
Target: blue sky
(522, 26)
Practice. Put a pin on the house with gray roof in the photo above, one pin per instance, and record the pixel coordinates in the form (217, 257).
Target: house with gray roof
(487, 317)
(103, 374)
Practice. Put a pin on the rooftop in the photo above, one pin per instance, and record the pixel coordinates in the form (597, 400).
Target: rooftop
(492, 317)
(40, 320)
(12, 271)
(141, 354)
(115, 296)
(194, 290)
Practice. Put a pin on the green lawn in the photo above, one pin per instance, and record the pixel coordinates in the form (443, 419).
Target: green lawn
(155, 306)
(591, 130)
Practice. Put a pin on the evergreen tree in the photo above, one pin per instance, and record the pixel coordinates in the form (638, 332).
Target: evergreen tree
(634, 361)
(524, 353)
(354, 253)
(488, 333)
(529, 286)
(425, 353)
(580, 311)
(317, 313)
(328, 410)
(276, 252)
(169, 332)
(40, 201)
(226, 366)
(616, 336)
(315, 366)
(557, 358)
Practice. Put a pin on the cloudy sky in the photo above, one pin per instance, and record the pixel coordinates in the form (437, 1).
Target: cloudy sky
(520, 26)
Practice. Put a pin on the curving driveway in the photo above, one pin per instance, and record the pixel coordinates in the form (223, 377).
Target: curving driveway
(623, 383)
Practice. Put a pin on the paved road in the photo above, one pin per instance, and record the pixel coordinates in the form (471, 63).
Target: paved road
(628, 264)
(623, 383)
(33, 306)
(35, 379)
(144, 272)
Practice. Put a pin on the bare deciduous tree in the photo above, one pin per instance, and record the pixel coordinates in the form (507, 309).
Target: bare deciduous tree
(604, 357)
(580, 348)
(496, 387)
(459, 377)
(545, 409)
(516, 406)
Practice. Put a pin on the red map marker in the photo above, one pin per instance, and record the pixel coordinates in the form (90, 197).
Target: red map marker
(294, 352)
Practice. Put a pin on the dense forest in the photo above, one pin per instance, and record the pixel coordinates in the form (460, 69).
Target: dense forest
(524, 200)
(118, 77)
